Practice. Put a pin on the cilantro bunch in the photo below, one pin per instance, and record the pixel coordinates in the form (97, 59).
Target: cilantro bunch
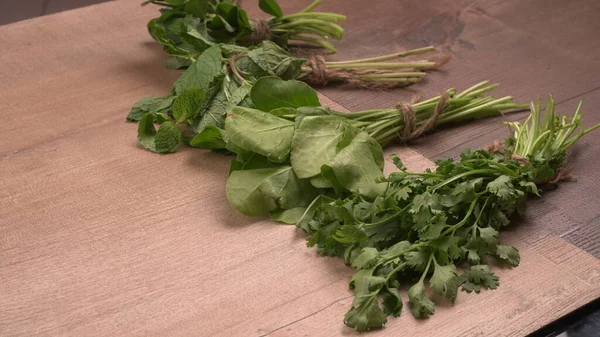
(439, 229)
(188, 27)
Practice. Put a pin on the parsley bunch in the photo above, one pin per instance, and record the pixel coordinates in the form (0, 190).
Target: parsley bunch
(424, 226)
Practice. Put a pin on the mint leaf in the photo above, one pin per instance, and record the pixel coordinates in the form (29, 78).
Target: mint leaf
(187, 104)
(167, 139)
(229, 96)
(202, 72)
(147, 132)
(149, 104)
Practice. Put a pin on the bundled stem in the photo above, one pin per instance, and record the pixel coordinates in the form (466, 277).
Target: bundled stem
(409, 121)
(365, 73)
(308, 27)
(371, 72)
(546, 135)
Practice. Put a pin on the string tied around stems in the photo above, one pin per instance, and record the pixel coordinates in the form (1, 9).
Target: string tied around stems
(320, 75)
(261, 31)
(411, 131)
(498, 147)
(562, 173)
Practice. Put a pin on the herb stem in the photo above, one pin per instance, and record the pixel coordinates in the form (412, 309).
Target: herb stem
(311, 6)
(318, 42)
(464, 220)
(426, 269)
(384, 65)
(314, 15)
(395, 270)
(462, 175)
(388, 57)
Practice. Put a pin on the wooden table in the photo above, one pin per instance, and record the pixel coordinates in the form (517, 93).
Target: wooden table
(101, 238)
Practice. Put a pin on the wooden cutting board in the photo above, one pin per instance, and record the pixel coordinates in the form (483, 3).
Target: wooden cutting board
(101, 238)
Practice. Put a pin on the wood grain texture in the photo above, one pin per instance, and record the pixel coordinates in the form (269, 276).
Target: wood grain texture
(101, 238)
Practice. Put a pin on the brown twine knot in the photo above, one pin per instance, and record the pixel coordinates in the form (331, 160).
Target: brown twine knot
(411, 131)
(498, 147)
(562, 174)
(261, 32)
(320, 75)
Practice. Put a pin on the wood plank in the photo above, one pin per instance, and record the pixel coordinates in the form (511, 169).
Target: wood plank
(98, 237)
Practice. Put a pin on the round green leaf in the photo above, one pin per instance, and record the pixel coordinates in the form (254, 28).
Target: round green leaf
(269, 93)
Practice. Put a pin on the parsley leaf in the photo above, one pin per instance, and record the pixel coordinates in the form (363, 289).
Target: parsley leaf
(477, 277)
(420, 305)
(365, 313)
(508, 254)
(444, 280)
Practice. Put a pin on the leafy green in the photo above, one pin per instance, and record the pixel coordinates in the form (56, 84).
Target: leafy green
(288, 216)
(444, 281)
(259, 191)
(365, 313)
(187, 105)
(275, 61)
(269, 93)
(477, 277)
(228, 96)
(255, 131)
(357, 166)
(509, 254)
(315, 143)
(167, 139)
(150, 104)
(420, 305)
(202, 72)
(270, 7)
(197, 8)
(211, 137)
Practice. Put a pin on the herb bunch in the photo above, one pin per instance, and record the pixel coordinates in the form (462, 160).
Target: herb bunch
(187, 27)
(185, 33)
(290, 148)
(424, 226)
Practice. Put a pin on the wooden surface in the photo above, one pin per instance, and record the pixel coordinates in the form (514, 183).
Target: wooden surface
(101, 238)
